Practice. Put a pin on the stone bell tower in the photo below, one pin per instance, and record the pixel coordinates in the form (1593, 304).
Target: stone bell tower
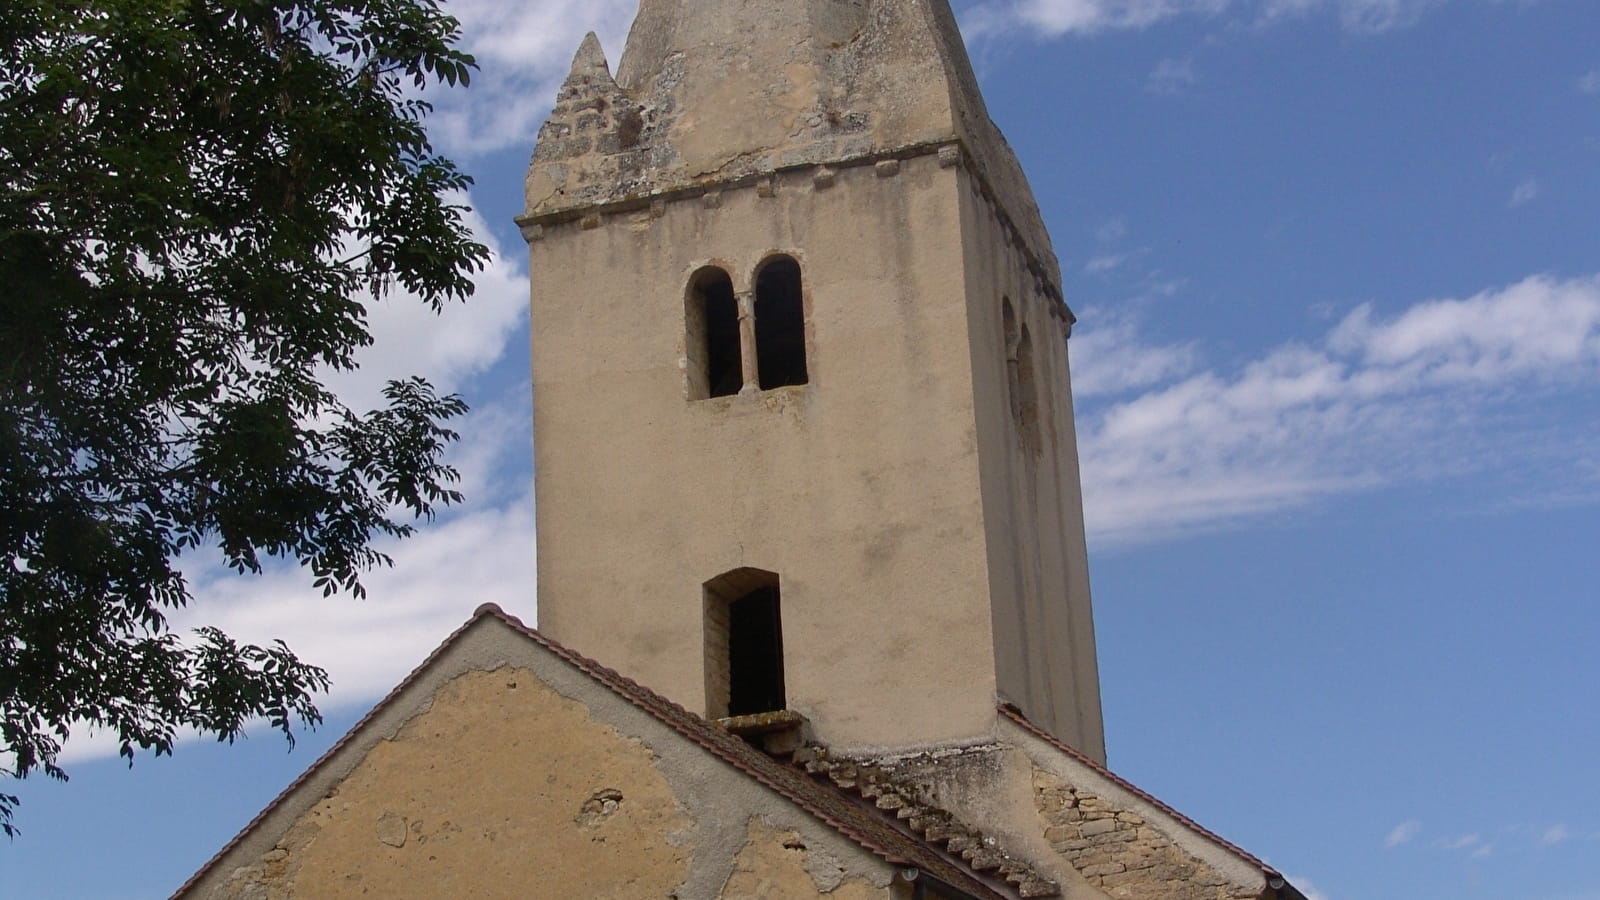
(803, 425)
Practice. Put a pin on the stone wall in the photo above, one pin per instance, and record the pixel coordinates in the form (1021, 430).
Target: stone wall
(1120, 852)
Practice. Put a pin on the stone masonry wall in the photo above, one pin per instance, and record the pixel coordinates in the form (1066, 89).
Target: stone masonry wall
(1119, 852)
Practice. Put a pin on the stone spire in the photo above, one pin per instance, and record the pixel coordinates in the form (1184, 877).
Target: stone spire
(717, 91)
(590, 65)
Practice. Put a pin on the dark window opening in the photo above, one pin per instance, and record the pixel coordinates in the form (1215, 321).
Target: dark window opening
(755, 654)
(1027, 402)
(1008, 318)
(713, 340)
(780, 324)
(743, 644)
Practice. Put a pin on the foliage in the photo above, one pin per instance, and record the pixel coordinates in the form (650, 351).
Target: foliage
(196, 199)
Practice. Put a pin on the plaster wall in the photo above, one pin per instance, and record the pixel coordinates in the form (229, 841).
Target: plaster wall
(502, 783)
(1043, 624)
(860, 488)
(504, 772)
(772, 865)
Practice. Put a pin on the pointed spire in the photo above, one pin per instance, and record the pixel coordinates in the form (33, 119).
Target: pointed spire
(590, 62)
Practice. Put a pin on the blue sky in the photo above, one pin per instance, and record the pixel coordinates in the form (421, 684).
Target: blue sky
(1337, 270)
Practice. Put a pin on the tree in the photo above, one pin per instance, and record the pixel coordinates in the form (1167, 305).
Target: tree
(196, 196)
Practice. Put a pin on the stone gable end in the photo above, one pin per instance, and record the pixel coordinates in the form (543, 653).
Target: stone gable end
(501, 782)
(1120, 852)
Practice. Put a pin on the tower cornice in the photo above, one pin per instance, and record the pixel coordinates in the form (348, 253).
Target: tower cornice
(951, 152)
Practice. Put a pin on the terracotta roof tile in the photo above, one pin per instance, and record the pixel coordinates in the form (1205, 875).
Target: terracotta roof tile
(896, 802)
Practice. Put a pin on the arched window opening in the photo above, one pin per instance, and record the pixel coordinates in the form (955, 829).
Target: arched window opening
(744, 644)
(711, 313)
(1008, 321)
(1027, 397)
(780, 324)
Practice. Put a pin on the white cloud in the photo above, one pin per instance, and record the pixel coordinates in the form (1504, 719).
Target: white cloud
(1110, 358)
(1365, 16)
(1058, 17)
(1171, 76)
(1461, 843)
(1555, 834)
(1402, 833)
(1447, 387)
(1483, 851)
(1105, 262)
(1590, 82)
(447, 347)
(1526, 192)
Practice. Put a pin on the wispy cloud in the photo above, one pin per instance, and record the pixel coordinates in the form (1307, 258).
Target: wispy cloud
(1464, 842)
(1171, 77)
(1362, 16)
(1111, 358)
(1526, 192)
(1555, 834)
(1590, 82)
(1446, 387)
(1307, 888)
(1403, 833)
(1482, 851)
(1058, 17)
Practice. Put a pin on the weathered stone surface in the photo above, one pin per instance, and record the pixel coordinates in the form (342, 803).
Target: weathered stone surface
(1117, 851)
(710, 91)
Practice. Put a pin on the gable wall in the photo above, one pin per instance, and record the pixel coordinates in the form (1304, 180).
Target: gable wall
(525, 778)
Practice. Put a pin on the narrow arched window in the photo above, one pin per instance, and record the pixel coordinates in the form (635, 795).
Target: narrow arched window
(1027, 397)
(743, 644)
(711, 316)
(780, 324)
(1008, 323)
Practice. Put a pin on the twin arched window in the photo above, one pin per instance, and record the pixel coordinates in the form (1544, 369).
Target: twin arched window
(753, 340)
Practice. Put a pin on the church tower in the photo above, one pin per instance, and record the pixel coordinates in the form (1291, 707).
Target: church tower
(803, 423)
